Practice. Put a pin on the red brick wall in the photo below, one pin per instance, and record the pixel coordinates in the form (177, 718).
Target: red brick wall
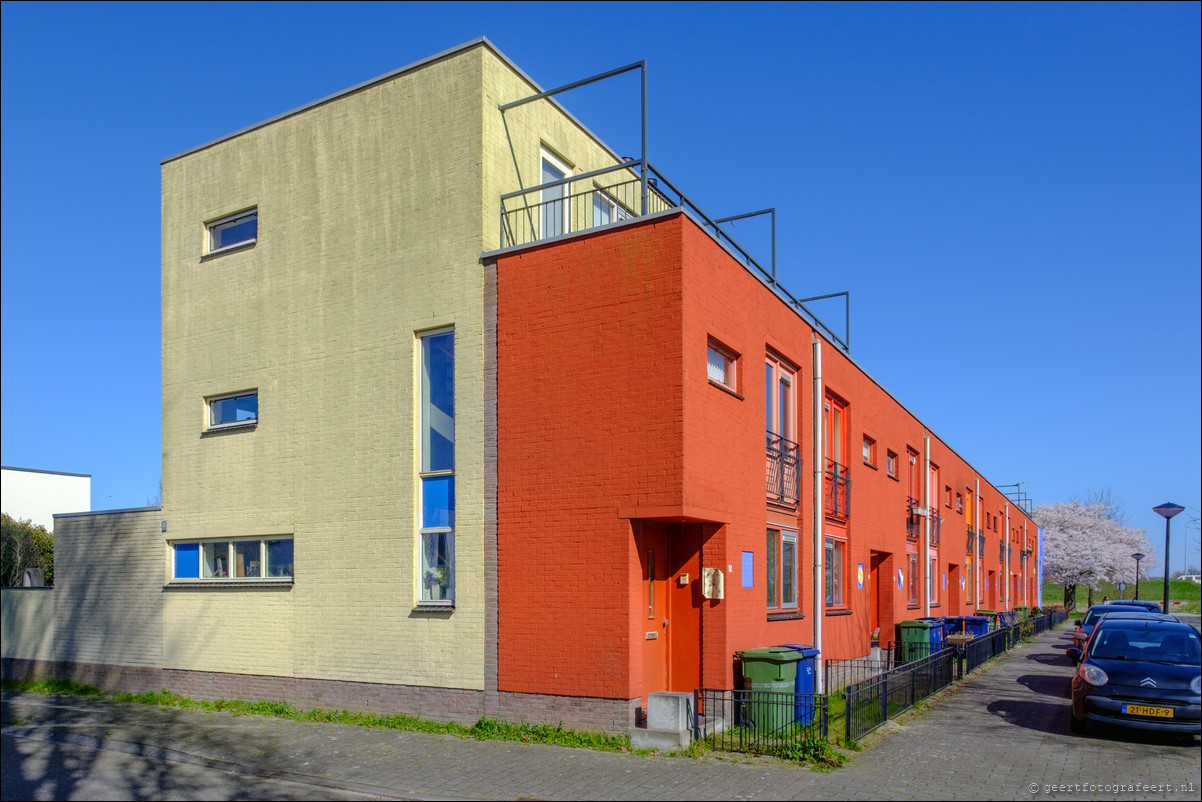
(604, 403)
(589, 420)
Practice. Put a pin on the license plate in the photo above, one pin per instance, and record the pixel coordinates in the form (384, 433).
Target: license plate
(1144, 710)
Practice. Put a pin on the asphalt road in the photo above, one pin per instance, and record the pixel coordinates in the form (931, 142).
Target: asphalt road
(1001, 734)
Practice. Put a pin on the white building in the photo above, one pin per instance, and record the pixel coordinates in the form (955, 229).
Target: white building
(26, 493)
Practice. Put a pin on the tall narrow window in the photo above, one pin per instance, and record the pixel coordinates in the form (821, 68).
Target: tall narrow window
(437, 472)
(832, 568)
(913, 579)
(782, 569)
(784, 452)
(837, 491)
(554, 201)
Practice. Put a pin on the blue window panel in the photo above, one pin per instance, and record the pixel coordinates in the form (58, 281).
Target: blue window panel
(236, 410)
(438, 402)
(187, 561)
(279, 557)
(438, 501)
(748, 569)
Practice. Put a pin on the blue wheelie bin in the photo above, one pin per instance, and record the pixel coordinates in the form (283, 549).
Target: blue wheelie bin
(805, 682)
(976, 625)
(938, 633)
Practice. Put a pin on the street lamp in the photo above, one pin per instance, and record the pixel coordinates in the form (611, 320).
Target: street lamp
(1137, 557)
(1167, 510)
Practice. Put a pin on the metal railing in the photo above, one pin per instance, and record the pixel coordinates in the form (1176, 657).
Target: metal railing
(913, 519)
(612, 195)
(870, 703)
(784, 469)
(837, 495)
(763, 722)
(936, 520)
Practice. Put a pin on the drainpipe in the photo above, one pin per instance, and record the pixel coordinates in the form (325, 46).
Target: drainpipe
(976, 546)
(816, 438)
(926, 531)
(1006, 545)
(1026, 564)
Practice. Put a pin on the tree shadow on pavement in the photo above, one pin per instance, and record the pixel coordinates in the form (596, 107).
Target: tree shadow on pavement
(1059, 687)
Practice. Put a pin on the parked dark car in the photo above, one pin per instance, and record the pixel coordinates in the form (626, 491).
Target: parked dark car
(1086, 624)
(1152, 606)
(1142, 674)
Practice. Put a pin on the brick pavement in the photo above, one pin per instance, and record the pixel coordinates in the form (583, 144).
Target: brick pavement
(995, 736)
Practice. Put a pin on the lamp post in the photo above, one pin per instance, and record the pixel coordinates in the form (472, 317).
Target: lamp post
(1167, 511)
(1137, 557)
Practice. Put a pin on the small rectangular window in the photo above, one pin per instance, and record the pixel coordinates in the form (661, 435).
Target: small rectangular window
(237, 409)
(720, 365)
(891, 463)
(869, 451)
(237, 229)
(244, 558)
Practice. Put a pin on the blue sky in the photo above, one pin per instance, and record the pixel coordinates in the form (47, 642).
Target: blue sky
(1010, 192)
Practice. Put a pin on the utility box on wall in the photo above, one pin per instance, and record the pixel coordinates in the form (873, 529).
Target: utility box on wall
(711, 583)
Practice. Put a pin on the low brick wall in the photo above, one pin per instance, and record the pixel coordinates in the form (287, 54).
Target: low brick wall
(128, 679)
(434, 704)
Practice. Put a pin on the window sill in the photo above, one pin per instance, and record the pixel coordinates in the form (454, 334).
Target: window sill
(791, 615)
(893, 476)
(209, 584)
(834, 611)
(432, 607)
(241, 246)
(724, 389)
(231, 427)
(913, 606)
(868, 464)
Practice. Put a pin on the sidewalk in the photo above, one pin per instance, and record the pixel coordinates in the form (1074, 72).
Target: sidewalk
(992, 737)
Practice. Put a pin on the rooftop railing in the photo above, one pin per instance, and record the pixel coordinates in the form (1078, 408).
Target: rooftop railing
(613, 195)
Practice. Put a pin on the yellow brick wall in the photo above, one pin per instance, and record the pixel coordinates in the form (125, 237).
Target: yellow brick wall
(374, 208)
(27, 623)
(108, 588)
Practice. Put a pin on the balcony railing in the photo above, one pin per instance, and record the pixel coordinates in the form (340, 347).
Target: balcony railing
(784, 470)
(837, 495)
(913, 519)
(612, 195)
(968, 544)
(936, 520)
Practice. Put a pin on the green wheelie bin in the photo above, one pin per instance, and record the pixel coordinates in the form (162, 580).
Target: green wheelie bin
(773, 668)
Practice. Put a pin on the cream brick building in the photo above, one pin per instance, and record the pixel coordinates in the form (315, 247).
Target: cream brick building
(321, 272)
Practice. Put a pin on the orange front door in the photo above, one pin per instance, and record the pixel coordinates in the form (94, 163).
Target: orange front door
(684, 607)
(655, 608)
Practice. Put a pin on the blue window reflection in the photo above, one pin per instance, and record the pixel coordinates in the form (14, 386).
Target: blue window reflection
(438, 501)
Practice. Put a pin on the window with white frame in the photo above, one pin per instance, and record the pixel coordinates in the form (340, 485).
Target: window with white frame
(237, 229)
(869, 451)
(233, 410)
(606, 209)
(833, 567)
(720, 365)
(933, 569)
(913, 583)
(554, 202)
(437, 469)
(265, 558)
(782, 569)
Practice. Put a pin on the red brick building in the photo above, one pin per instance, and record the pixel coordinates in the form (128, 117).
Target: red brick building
(663, 416)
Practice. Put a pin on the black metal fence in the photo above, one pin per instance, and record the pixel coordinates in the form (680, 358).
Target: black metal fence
(865, 692)
(764, 722)
(871, 702)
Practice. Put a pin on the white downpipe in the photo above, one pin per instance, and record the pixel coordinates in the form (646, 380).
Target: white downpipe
(817, 584)
(976, 545)
(1006, 545)
(926, 530)
(1026, 565)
